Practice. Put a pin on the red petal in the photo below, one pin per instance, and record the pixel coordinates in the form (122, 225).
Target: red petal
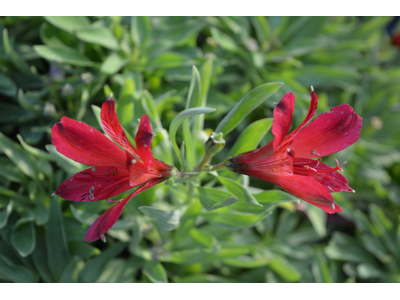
(143, 139)
(84, 144)
(330, 132)
(282, 118)
(107, 219)
(335, 181)
(303, 187)
(111, 125)
(95, 184)
(138, 173)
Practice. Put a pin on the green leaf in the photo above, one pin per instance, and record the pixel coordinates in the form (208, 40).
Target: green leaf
(225, 41)
(284, 269)
(39, 258)
(140, 30)
(251, 136)
(70, 166)
(70, 274)
(235, 220)
(155, 272)
(202, 238)
(68, 23)
(263, 31)
(247, 104)
(7, 86)
(52, 36)
(15, 273)
(23, 238)
(182, 116)
(125, 104)
(56, 240)
(318, 219)
(63, 55)
(165, 220)
(169, 61)
(102, 36)
(93, 269)
(213, 199)
(113, 63)
(5, 213)
(238, 190)
(323, 268)
(34, 151)
(22, 159)
(18, 61)
(206, 71)
(120, 270)
(82, 249)
(247, 262)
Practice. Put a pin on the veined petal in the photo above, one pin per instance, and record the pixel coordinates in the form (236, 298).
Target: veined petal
(303, 187)
(282, 118)
(138, 173)
(84, 144)
(111, 125)
(143, 139)
(107, 219)
(335, 181)
(330, 132)
(95, 184)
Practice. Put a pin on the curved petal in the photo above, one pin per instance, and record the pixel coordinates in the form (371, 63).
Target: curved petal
(282, 118)
(304, 187)
(107, 219)
(330, 132)
(95, 184)
(111, 125)
(84, 144)
(333, 180)
(138, 173)
(143, 139)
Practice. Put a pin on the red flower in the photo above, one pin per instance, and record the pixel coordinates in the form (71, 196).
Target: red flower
(115, 171)
(396, 40)
(289, 160)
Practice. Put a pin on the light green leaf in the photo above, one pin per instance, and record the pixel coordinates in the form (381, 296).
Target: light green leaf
(93, 269)
(251, 136)
(169, 61)
(56, 240)
(120, 270)
(165, 220)
(238, 190)
(140, 30)
(113, 63)
(213, 198)
(155, 272)
(70, 166)
(202, 238)
(102, 36)
(250, 102)
(23, 238)
(21, 158)
(323, 268)
(68, 23)
(225, 41)
(182, 116)
(125, 104)
(318, 219)
(5, 213)
(206, 71)
(284, 269)
(263, 31)
(97, 113)
(63, 55)
(34, 151)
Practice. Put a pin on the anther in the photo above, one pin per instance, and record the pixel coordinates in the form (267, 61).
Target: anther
(94, 169)
(332, 205)
(306, 167)
(330, 189)
(312, 89)
(353, 191)
(53, 194)
(288, 150)
(115, 171)
(91, 193)
(313, 152)
(133, 161)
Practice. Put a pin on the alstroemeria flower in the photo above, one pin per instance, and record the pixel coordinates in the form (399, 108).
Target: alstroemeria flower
(293, 161)
(114, 170)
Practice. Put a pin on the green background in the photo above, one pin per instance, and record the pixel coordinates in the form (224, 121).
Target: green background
(67, 66)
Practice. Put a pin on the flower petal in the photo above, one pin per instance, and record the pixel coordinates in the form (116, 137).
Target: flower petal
(84, 144)
(95, 184)
(303, 187)
(143, 139)
(282, 118)
(107, 219)
(111, 125)
(330, 132)
(335, 181)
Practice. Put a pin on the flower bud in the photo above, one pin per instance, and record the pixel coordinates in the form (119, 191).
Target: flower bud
(215, 143)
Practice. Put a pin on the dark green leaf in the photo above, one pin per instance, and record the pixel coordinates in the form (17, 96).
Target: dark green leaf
(23, 238)
(238, 190)
(213, 199)
(63, 55)
(166, 220)
(155, 271)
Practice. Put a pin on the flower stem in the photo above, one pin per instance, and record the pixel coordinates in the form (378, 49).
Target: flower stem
(218, 167)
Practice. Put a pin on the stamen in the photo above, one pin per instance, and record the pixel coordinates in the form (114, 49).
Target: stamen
(133, 161)
(94, 169)
(115, 171)
(338, 167)
(330, 189)
(288, 150)
(332, 205)
(103, 238)
(313, 152)
(306, 166)
(53, 194)
(91, 193)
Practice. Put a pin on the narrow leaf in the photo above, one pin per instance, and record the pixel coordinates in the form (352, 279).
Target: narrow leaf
(165, 220)
(213, 199)
(238, 190)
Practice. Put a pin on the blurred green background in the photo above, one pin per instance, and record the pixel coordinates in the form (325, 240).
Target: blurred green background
(67, 66)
